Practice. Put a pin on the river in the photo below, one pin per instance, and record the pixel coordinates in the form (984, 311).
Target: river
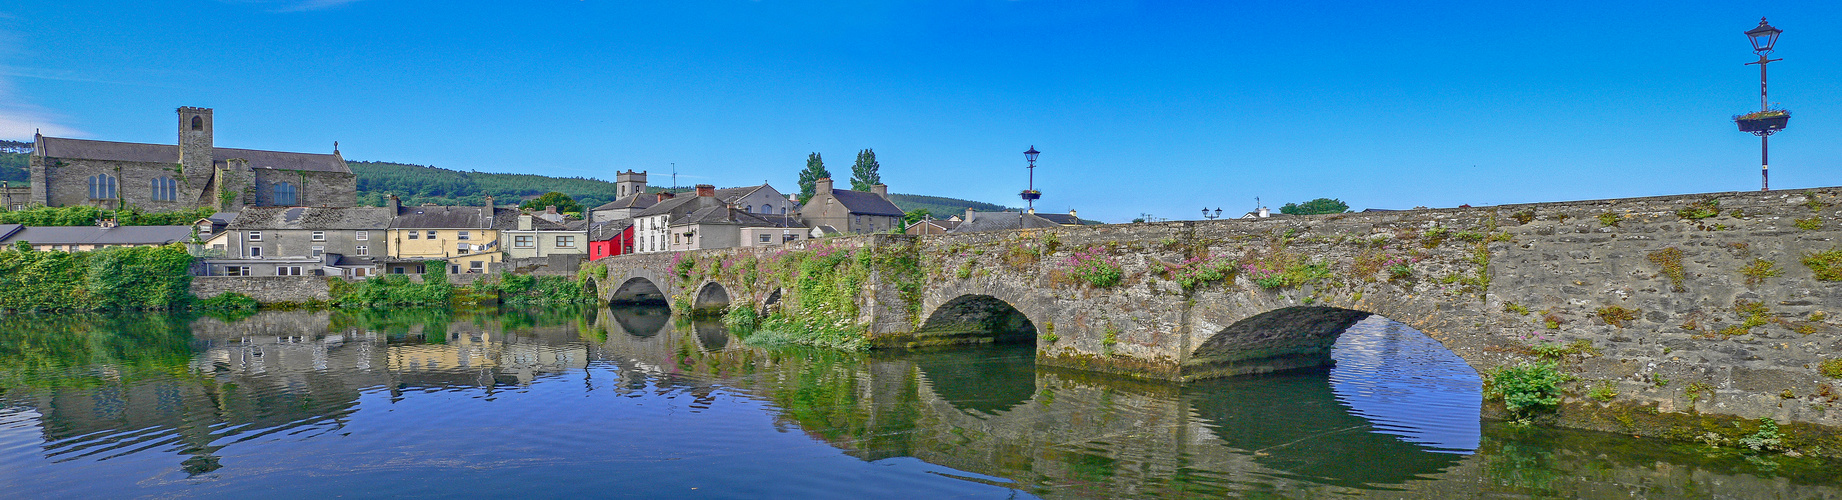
(632, 402)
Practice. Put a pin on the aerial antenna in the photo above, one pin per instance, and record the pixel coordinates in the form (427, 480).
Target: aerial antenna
(674, 177)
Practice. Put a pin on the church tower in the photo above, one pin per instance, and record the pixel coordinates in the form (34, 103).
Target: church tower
(195, 146)
(629, 183)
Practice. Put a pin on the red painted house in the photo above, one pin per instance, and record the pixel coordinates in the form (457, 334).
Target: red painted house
(606, 239)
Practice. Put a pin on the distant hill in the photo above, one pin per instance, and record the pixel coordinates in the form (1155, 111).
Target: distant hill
(13, 168)
(939, 206)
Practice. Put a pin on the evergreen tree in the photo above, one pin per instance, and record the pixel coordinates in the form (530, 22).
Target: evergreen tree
(863, 173)
(809, 178)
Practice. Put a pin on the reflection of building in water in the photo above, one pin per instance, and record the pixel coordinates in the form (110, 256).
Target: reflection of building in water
(282, 372)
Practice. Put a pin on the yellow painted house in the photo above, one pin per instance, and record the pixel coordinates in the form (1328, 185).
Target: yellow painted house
(465, 237)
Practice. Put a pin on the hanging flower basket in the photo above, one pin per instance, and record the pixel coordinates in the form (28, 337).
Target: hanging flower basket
(1031, 194)
(1763, 121)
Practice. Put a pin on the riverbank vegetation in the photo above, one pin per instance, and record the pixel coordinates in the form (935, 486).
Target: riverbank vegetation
(110, 279)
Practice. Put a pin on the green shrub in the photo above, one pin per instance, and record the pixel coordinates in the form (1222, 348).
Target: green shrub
(1609, 219)
(1766, 439)
(1526, 388)
(1094, 267)
(110, 279)
(231, 301)
(87, 216)
(741, 317)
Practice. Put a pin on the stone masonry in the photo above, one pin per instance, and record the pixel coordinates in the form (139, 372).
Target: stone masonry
(1688, 315)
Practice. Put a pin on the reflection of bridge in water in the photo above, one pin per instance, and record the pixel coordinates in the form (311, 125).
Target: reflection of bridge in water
(992, 413)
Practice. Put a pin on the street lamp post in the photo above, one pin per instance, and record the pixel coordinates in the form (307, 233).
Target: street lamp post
(1031, 195)
(1766, 121)
(1207, 215)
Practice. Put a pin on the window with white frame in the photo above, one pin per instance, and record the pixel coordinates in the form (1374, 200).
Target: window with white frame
(524, 241)
(463, 248)
(318, 250)
(413, 234)
(362, 235)
(255, 252)
(476, 266)
(363, 250)
(255, 235)
(766, 238)
(287, 270)
(319, 236)
(463, 236)
(236, 270)
(431, 234)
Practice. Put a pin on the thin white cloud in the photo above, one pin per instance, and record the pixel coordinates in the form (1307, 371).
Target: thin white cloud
(17, 125)
(18, 118)
(293, 5)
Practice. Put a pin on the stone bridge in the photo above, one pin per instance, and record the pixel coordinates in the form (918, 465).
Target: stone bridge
(1670, 310)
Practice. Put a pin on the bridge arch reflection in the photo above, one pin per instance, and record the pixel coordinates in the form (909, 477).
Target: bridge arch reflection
(977, 318)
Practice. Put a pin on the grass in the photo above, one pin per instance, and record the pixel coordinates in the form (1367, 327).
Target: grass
(1810, 224)
(1700, 210)
(1831, 368)
(1609, 219)
(1670, 260)
(1826, 264)
(1617, 316)
(1759, 270)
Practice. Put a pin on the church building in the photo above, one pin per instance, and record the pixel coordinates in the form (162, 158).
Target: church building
(192, 174)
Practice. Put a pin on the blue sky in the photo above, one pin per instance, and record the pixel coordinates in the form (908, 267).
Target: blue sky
(1138, 107)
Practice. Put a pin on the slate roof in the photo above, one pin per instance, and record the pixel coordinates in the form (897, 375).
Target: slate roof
(457, 217)
(59, 147)
(722, 214)
(999, 221)
(859, 202)
(92, 235)
(642, 200)
(1063, 219)
(311, 218)
(604, 231)
(7, 230)
(680, 206)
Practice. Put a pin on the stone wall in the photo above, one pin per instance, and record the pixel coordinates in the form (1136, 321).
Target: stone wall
(265, 289)
(65, 182)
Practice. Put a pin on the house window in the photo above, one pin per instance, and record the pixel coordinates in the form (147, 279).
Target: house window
(287, 270)
(363, 250)
(255, 235)
(284, 193)
(317, 250)
(236, 270)
(677, 238)
(765, 238)
(476, 266)
(463, 249)
(361, 272)
(766, 208)
(412, 234)
(463, 236)
(164, 189)
(319, 236)
(396, 270)
(363, 235)
(524, 241)
(431, 234)
(102, 187)
(255, 252)
(857, 220)
(565, 242)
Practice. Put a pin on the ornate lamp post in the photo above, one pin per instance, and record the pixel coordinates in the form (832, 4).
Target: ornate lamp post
(1207, 215)
(1766, 121)
(1031, 195)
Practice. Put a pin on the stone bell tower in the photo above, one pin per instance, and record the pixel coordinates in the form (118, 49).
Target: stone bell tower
(195, 146)
(629, 183)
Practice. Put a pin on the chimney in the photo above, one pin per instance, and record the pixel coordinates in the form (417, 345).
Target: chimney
(489, 205)
(1071, 213)
(551, 215)
(664, 196)
(706, 190)
(395, 205)
(524, 222)
(880, 190)
(106, 223)
(822, 186)
(968, 214)
(1264, 213)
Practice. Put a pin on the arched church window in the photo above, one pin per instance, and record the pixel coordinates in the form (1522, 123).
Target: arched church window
(198, 122)
(165, 189)
(766, 208)
(284, 193)
(102, 187)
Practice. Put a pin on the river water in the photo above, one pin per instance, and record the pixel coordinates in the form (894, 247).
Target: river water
(631, 402)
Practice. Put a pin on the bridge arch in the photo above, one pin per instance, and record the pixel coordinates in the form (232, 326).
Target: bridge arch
(637, 290)
(1290, 337)
(977, 311)
(712, 297)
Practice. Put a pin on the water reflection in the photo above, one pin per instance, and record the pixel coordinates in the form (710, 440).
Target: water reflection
(487, 402)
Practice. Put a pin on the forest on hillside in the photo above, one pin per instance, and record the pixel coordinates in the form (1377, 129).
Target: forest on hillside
(13, 168)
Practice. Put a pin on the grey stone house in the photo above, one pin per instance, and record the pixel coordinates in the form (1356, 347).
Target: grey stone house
(191, 174)
(761, 200)
(652, 228)
(296, 241)
(851, 212)
(724, 226)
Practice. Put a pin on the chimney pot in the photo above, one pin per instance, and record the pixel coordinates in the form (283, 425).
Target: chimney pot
(706, 190)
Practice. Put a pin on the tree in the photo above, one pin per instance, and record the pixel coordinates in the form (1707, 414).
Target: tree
(562, 201)
(809, 178)
(910, 217)
(1314, 207)
(863, 173)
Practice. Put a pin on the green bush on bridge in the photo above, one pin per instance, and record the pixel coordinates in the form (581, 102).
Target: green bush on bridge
(1526, 388)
